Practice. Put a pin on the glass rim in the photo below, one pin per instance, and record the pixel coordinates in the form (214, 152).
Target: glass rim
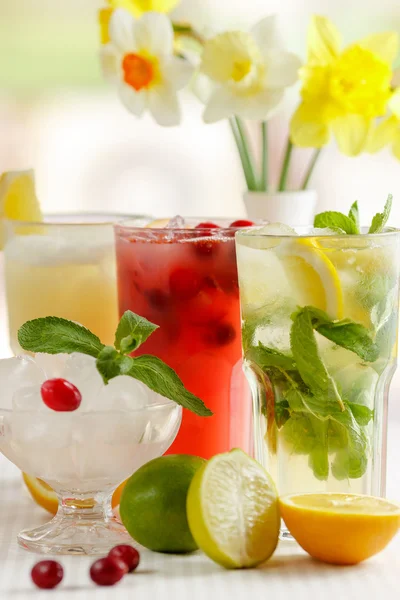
(252, 233)
(128, 225)
(82, 414)
(66, 219)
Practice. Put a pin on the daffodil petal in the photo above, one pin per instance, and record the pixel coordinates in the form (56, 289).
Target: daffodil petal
(351, 133)
(396, 146)
(260, 107)
(382, 134)
(177, 72)
(138, 7)
(282, 69)
(110, 63)
(323, 41)
(384, 45)
(266, 34)
(134, 101)
(394, 103)
(104, 22)
(154, 34)
(164, 106)
(221, 105)
(121, 29)
(307, 130)
(202, 87)
(396, 78)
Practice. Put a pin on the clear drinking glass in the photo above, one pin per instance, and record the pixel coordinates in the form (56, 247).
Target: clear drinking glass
(84, 457)
(320, 385)
(64, 267)
(184, 279)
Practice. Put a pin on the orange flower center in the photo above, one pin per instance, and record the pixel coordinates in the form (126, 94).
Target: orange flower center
(138, 71)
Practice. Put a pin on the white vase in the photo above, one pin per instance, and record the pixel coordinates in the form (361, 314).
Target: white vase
(292, 208)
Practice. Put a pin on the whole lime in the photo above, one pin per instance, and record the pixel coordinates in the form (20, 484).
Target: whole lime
(153, 503)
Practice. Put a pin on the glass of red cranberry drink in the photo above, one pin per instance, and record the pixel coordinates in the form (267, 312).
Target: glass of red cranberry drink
(182, 276)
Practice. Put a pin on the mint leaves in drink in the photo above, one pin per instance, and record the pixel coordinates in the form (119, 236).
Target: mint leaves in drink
(53, 335)
(315, 416)
(350, 224)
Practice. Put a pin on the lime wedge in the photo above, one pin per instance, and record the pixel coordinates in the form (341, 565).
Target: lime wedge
(233, 512)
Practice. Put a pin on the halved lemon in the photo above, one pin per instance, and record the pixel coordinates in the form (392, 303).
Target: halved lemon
(233, 512)
(313, 276)
(18, 198)
(46, 497)
(342, 529)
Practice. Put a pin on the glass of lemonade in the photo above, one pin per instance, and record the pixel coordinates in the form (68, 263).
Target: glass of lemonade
(184, 279)
(319, 333)
(64, 267)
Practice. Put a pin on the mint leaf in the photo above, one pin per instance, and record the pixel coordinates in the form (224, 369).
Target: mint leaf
(132, 331)
(111, 363)
(309, 363)
(53, 335)
(354, 215)
(266, 357)
(160, 378)
(336, 221)
(380, 219)
(347, 334)
(362, 414)
(318, 459)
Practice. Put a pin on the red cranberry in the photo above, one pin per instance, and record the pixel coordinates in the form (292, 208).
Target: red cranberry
(184, 283)
(129, 555)
(207, 225)
(108, 570)
(241, 223)
(47, 574)
(222, 335)
(60, 395)
(157, 299)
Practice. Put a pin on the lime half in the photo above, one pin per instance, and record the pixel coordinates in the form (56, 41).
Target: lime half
(233, 511)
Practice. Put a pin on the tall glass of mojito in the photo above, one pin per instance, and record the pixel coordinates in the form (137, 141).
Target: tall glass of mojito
(182, 276)
(319, 333)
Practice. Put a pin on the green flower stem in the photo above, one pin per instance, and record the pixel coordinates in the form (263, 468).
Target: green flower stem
(264, 158)
(310, 169)
(239, 145)
(285, 167)
(247, 160)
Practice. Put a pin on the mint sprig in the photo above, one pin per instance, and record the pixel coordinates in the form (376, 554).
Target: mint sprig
(315, 416)
(53, 335)
(350, 224)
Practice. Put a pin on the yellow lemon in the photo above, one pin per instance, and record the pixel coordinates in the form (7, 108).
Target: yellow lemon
(233, 512)
(342, 529)
(18, 199)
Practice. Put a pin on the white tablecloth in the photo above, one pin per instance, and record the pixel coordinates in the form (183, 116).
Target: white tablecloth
(289, 575)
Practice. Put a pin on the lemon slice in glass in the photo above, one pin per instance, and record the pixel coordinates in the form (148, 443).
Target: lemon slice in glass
(18, 199)
(340, 528)
(232, 510)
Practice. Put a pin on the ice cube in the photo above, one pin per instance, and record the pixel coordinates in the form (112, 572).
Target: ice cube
(322, 231)
(17, 372)
(177, 222)
(28, 398)
(53, 365)
(123, 393)
(80, 370)
(273, 229)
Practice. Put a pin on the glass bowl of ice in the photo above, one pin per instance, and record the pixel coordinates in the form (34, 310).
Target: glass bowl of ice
(83, 454)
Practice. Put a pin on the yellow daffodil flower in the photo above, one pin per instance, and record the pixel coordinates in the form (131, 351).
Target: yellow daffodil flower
(135, 7)
(387, 132)
(247, 72)
(140, 60)
(343, 90)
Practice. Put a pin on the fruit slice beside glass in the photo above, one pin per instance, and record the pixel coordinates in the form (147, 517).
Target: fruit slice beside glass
(183, 277)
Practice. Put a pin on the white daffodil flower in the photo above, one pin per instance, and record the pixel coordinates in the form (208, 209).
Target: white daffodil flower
(249, 73)
(139, 58)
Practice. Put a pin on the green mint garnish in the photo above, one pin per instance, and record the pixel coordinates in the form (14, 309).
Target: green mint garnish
(380, 219)
(315, 417)
(53, 335)
(350, 224)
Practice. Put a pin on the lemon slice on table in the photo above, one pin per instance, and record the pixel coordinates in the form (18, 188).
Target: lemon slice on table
(313, 276)
(18, 199)
(340, 529)
(233, 512)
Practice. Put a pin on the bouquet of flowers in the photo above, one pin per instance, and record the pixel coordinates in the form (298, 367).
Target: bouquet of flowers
(349, 92)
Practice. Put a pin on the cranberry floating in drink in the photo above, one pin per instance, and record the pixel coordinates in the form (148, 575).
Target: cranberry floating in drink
(184, 279)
